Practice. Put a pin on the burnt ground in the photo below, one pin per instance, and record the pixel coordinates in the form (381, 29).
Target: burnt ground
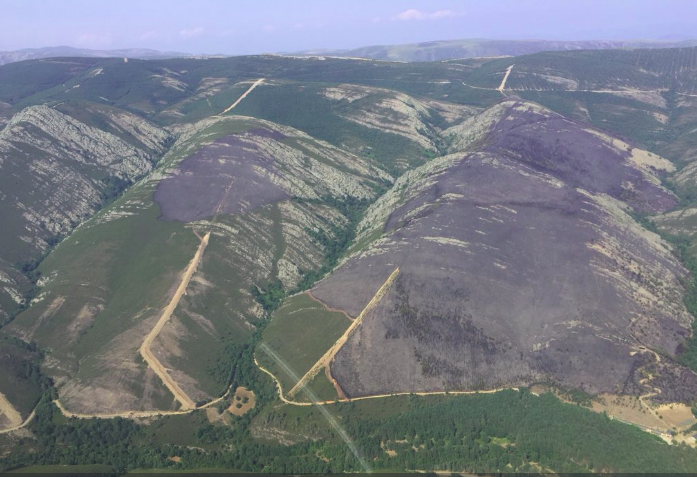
(510, 274)
(550, 143)
(230, 171)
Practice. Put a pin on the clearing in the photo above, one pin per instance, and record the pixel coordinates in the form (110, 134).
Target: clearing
(242, 401)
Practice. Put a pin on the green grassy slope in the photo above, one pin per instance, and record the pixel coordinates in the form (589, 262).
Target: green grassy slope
(300, 332)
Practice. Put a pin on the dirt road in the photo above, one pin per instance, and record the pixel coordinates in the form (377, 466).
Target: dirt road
(9, 411)
(20, 426)
(375, 396)
(329, 355)
(146, 352)
(244, 95)
(131, 414)
(505, 78)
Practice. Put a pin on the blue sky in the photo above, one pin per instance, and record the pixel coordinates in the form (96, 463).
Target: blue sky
(242, 27)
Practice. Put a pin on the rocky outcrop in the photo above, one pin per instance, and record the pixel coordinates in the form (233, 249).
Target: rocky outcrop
(56, 171)
(397, 113)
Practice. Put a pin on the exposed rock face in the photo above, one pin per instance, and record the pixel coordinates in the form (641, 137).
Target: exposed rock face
(52, 172)
(519, 262)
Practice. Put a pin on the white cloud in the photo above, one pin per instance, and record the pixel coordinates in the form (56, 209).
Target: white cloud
(191, 33)
(413, 14)
(268, 28)
(376, 20)
(299, 26)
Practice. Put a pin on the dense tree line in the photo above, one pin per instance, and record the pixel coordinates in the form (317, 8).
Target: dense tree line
(508, 431)
(113, 187)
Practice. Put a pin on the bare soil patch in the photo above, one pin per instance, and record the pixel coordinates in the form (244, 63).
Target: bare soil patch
(9, 416)
(627, 408)
(242, 401)
(244, 95)
(677, 415)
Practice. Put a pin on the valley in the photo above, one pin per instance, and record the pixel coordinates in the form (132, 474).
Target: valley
(341, 234)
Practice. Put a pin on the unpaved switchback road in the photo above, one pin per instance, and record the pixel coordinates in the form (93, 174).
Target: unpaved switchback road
(244, 95)
(145, 351)
(125, 414)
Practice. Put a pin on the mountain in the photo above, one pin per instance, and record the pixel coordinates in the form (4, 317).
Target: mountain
(472, 48)
(467, 263)
(69, 51)
(514, 265)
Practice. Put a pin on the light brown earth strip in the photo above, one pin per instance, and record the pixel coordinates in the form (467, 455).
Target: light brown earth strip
(329, 355)
(505, 78)
(22, 425)
(146, 352)
(244, 95)
(10, 412)
(376, 396)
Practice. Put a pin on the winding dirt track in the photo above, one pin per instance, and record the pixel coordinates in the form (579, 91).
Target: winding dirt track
(611, 91)
(329, 355)
(146, 352)
(131, 414)
(244, 95)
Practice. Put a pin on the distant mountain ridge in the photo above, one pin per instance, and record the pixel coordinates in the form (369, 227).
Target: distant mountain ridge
(471, 48)
(438, 50)
(58, 51)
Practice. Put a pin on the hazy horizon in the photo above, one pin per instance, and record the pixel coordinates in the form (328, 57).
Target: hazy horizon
(223, 27)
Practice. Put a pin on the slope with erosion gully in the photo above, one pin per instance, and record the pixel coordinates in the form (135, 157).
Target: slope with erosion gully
(519, 260)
